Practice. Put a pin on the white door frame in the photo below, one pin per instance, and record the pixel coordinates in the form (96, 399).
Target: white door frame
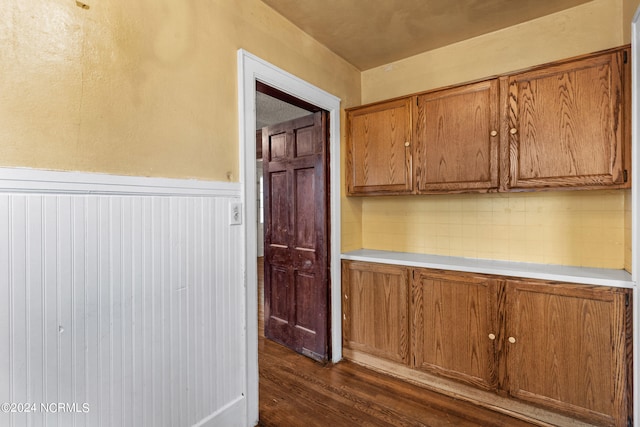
(635, 205)
(250, 69)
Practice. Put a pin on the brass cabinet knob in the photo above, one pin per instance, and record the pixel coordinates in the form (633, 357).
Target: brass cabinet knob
(513, 131)
(492, 337)
(512, 340)
(494, 132)
(406, 144)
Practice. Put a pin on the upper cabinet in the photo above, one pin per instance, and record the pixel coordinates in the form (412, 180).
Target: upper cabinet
(562, 125)
(566, 124)
(456, 139)
(379, 149)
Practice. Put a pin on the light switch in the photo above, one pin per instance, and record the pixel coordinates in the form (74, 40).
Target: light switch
(235, 213)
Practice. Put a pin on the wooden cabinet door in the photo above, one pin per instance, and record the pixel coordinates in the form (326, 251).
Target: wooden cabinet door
(454, 326)
(566, 349)
(379, 149)
(566, 124)
(376, 309)
(456, 141)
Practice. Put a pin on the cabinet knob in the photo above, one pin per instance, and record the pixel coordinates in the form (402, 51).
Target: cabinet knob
(492, 337)
(513, 131)
(512, 340)
(406, 144)
(494, 132)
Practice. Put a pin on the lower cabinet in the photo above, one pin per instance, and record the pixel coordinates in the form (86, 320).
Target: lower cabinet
(375, 305)
(558, 346)
(568, 348)
(453, 318)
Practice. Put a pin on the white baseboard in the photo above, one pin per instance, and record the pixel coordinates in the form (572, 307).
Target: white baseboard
(232, 415)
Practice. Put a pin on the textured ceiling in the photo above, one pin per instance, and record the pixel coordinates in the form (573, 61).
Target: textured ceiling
(270, 111)
(370, 33)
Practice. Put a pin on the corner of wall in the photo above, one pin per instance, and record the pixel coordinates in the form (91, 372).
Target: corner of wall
(628, 237)
(629, 8)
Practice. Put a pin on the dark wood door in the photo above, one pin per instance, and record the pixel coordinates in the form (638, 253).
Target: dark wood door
(296, 289)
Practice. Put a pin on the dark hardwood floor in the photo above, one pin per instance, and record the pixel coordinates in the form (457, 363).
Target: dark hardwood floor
(297, 391)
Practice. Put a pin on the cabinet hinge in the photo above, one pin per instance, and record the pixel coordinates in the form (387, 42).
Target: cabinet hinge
(625, 175)
(626, 300)
(629, 422)
(625, 57)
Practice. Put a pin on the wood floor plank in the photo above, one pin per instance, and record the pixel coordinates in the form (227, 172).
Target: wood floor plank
(296, 391)
(367, 398)
(327, 407)
(416, 398)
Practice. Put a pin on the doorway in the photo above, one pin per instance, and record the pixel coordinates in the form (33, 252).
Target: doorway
(291, 149)
(252, 69)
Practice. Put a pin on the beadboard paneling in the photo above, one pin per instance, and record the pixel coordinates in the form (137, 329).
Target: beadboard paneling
(131, 303)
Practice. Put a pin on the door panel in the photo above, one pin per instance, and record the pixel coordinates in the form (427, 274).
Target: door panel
(305, 209)
(296, 259)
(304, 143)
(280, 294)
(277, 147)
(304, 301)
(278, 208)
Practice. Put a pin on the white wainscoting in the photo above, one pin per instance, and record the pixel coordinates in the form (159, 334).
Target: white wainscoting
(123, 293)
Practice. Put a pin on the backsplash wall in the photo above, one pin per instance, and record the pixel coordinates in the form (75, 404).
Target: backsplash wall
(580, 228)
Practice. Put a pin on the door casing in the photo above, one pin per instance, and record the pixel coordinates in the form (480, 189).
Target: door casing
(635, 206)
(252, 69)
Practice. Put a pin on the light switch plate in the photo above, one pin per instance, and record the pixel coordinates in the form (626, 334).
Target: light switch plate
(235, 213)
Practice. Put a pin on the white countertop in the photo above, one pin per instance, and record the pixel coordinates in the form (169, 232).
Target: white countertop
(584, 275)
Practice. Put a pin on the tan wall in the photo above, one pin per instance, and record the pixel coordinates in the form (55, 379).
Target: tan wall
(150, 88)
(629, 9)
(587, 28)
(142, 88)
(145, 88)
(582, 228)
(572, 228)
(627, 231)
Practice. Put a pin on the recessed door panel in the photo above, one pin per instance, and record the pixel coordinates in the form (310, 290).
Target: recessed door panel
(305, 209)
(279, 225)
(277, 147)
